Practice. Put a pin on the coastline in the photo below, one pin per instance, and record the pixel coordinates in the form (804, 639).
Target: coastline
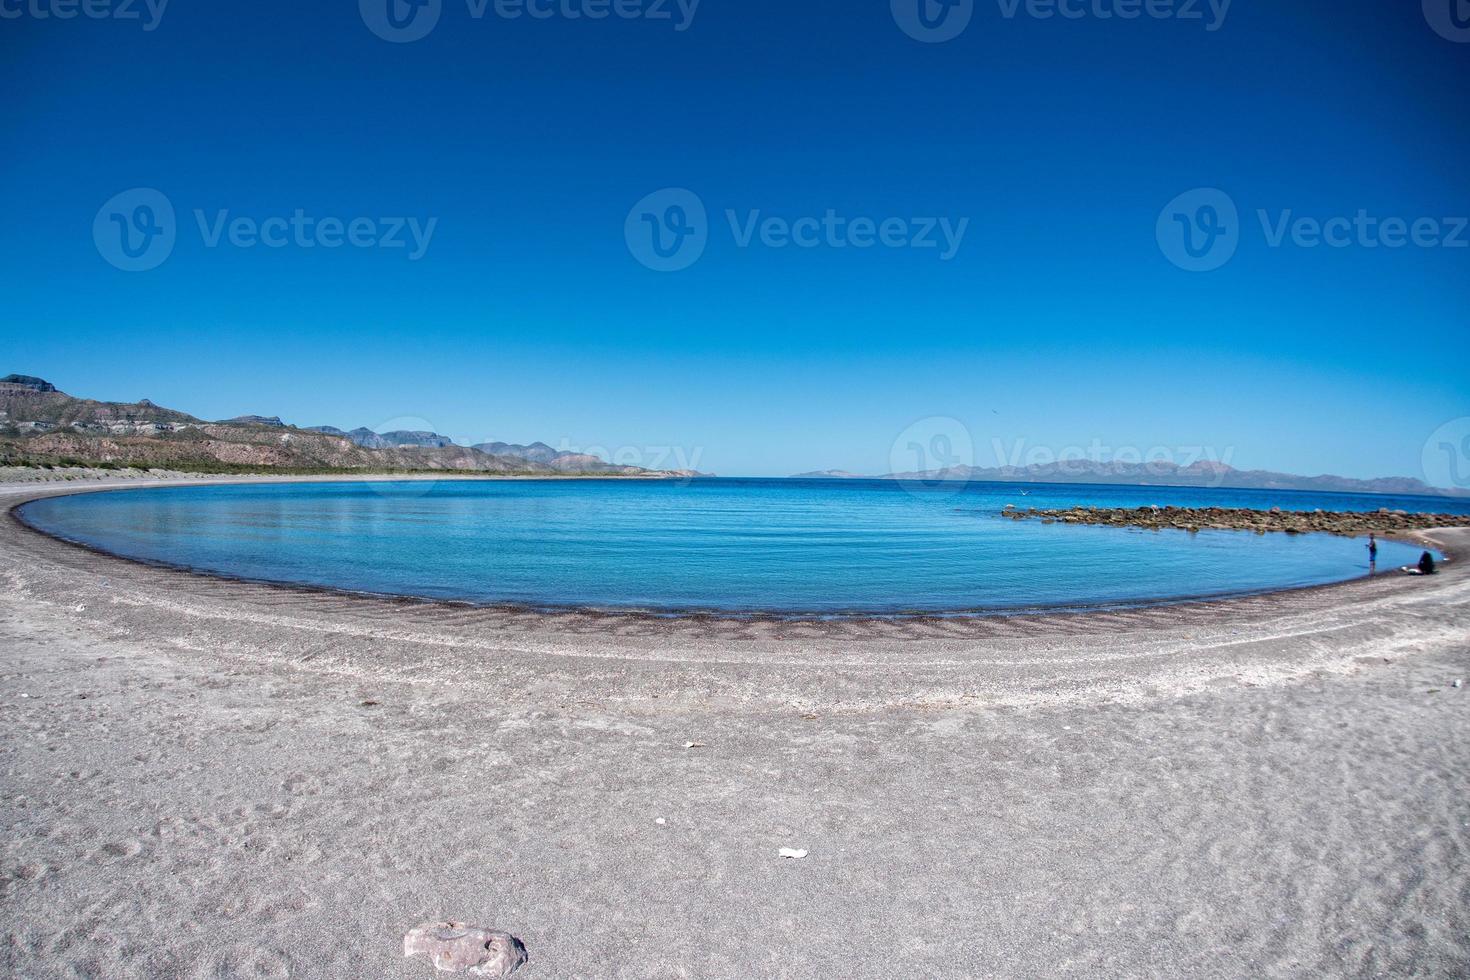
(138, 477)
(13, 497)
(207, 777)
(1183, 628)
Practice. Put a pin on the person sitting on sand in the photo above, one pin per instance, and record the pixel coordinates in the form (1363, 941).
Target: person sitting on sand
(1426, 564)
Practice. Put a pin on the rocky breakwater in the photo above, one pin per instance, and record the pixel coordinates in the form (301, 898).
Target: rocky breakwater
(1382, 521)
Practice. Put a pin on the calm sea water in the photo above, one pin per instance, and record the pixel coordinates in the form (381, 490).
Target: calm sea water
(787, 546)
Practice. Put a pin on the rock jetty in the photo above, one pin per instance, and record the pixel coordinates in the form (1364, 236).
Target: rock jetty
(1382, 521)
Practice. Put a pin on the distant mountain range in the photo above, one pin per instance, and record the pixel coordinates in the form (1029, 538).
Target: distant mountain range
(1199, 474)
(368, 439)
(39, 424)
(538, 453)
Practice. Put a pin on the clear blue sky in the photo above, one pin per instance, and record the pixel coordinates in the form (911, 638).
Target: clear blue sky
(1059, 321)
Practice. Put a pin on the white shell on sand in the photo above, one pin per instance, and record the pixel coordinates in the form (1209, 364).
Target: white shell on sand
(791, 852)
(456, 947)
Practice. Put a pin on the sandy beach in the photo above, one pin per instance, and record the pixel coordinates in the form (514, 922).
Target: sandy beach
(204, 778)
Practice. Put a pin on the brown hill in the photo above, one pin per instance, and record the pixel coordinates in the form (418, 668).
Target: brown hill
(39, 424)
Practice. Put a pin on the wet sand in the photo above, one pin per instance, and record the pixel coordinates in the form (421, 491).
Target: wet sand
(211, 778)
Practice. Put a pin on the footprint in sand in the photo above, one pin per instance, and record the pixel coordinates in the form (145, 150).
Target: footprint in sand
(298, 784)
(11, 878)
(242, 961)
(119, 850)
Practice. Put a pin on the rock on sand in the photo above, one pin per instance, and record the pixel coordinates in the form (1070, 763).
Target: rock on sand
(456, 947)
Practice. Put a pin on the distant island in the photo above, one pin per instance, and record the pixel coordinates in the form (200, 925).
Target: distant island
(43, 426)
(1154, 474)
(832, 475)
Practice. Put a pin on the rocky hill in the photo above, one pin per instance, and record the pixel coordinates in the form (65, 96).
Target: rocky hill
(400, 439)
(560, 460)
(41, 425)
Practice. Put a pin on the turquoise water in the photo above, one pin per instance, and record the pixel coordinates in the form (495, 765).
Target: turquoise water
(783, 546)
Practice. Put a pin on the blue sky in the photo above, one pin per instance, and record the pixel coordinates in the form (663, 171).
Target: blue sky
(1060, 320)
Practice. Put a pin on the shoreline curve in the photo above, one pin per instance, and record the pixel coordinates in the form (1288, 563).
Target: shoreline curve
(18, 499)
(752, 664)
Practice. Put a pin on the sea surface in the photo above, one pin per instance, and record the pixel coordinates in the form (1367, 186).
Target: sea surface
(821, 547)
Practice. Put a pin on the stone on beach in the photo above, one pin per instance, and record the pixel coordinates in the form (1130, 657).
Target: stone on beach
(456, 947)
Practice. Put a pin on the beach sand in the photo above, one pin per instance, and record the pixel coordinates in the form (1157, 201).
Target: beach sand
(204, 778)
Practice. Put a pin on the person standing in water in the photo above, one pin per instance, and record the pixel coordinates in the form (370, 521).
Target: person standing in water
(1372, 549)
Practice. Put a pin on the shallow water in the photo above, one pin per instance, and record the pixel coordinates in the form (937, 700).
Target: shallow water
(783, 546)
